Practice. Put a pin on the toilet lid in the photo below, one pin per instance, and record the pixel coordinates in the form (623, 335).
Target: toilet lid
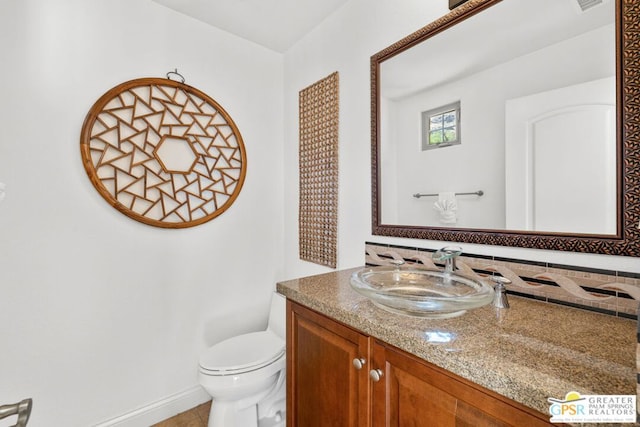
(243, 353)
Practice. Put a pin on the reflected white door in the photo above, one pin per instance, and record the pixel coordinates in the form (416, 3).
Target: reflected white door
(546, 188)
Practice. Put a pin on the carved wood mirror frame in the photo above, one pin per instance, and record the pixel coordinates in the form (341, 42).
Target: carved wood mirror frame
(626, 241)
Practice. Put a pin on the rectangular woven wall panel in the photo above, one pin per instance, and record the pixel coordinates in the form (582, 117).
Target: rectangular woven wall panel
(318, 220)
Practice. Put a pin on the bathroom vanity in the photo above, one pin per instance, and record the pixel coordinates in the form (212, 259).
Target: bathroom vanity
(350, 363)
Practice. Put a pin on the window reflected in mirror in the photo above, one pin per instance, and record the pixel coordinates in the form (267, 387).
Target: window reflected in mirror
(441, 126)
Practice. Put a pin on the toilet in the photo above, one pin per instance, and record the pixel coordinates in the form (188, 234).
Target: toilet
(245, 375)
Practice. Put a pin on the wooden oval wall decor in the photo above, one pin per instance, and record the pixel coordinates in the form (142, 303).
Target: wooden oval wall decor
(163, 153)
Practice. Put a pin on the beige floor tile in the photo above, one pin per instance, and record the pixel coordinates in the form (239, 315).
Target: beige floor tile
(203, 411)
(196, 417)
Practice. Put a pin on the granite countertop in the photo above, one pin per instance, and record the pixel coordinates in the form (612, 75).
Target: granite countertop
(529, 352)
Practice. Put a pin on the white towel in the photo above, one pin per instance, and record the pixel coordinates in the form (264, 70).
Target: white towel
(2, 191)
(447, 206)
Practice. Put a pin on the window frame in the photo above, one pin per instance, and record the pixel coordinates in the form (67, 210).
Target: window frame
(426, 131)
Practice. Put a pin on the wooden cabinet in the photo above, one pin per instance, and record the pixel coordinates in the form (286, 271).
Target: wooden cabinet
(337, 376)
(417, 393)
(324, 388)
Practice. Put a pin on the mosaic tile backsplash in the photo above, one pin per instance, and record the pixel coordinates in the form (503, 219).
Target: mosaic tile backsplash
(615, 293)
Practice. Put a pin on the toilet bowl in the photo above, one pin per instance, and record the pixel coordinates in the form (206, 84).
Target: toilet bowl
(245, 375)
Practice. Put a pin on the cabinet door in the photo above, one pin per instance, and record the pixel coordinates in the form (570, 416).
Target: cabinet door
(324, 388)
(415, 393)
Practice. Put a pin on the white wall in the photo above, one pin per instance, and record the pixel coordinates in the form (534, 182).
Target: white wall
(345, 42)
(99, 314)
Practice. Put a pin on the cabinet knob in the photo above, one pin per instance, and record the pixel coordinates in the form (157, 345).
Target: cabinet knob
(358, 363)
(375, 374)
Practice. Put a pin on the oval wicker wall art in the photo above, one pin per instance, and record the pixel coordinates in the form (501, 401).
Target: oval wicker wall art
(163, 153)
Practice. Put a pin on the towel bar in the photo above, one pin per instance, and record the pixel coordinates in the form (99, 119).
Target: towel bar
(476, 193)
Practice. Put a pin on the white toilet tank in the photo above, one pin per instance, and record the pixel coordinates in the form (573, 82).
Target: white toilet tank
(278, 315)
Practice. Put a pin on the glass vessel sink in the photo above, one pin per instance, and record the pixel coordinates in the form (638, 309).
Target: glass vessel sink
(421, 292)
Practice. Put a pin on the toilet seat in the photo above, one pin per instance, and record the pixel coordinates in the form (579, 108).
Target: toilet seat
(242, 353)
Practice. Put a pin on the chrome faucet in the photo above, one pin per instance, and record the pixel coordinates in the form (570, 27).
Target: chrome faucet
(500, 299)
(448, 255)
(22, 409)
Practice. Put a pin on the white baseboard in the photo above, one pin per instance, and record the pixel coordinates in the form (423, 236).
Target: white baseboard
(160, 410)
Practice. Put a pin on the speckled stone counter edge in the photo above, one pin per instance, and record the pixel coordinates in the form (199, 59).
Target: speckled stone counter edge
(326, 294)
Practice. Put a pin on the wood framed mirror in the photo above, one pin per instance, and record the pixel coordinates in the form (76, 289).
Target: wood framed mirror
(536, 191)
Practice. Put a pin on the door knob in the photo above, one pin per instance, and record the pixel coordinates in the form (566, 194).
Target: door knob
(358, 363)
(376, 374)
